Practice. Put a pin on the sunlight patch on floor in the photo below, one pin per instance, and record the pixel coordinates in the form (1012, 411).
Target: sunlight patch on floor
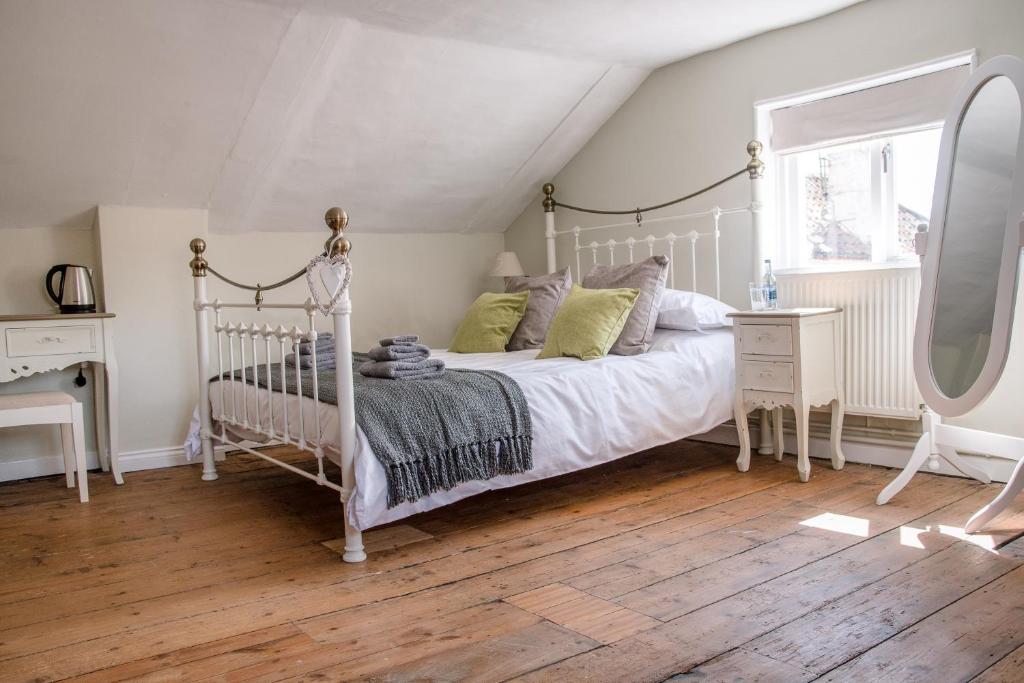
(981, 540)
(842, 524)
(911, 536)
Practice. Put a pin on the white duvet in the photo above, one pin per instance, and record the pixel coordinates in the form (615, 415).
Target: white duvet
(584, 413)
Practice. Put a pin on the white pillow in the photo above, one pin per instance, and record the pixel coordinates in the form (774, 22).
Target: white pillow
(682, 310)
(680, 341)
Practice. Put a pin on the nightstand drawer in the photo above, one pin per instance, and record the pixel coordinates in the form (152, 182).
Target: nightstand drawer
(767, 376)
(766, 340)
(50, 341)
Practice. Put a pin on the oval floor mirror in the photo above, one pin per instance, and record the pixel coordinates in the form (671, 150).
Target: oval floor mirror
(969, 276)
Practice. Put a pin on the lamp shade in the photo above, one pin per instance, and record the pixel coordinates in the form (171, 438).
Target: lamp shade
(506, 264)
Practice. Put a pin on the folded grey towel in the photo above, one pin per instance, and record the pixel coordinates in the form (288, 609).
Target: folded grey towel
(409, 352)
(323, 360)
(323, 342)
(399, 369)
(400, 339)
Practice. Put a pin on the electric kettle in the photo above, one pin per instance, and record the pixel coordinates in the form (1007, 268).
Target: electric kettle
(74, 293)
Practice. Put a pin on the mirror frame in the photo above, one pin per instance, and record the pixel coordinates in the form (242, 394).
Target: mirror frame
(1006, 288)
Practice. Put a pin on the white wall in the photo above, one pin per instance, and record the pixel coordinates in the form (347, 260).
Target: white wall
(687, 124)
(26, 254)
(420, 284)
(143, 256)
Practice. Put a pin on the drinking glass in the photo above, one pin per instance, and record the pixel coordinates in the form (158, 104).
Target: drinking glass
(758, 298)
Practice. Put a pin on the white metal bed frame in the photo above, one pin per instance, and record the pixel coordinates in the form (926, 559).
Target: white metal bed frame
(260, 346)
(277, 342)
(754, 170)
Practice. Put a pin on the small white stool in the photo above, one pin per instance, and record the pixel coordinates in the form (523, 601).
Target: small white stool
(53, 407)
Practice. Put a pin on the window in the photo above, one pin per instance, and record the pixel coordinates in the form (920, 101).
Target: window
(858, 202)
(853, 165)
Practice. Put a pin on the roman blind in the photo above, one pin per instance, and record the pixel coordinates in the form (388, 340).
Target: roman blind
(915, 102)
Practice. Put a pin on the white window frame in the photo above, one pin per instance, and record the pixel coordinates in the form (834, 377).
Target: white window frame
(780, 244)
(791, 209)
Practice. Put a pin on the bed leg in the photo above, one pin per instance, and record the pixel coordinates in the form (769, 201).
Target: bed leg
(354, 551)
(338, 245)
(199, 267)
(209, 460)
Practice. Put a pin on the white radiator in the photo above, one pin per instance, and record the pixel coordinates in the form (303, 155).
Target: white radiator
(879, 307)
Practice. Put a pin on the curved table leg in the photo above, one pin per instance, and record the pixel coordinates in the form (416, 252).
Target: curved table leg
(110, 368)
(99, 401)
(836, 436)
(765, 447)
(803, 454)
(743, 430)
(777, 434)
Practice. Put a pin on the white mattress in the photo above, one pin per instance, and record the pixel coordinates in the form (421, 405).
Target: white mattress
(583, 413)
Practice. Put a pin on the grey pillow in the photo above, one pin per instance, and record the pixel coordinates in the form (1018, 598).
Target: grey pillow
(546, 294)
(649, 277)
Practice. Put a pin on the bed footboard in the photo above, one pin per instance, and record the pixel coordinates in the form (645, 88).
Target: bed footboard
(256, 355)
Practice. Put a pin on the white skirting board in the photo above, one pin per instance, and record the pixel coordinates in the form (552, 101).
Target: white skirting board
(893, 454)
(131, 461)
(887, 455)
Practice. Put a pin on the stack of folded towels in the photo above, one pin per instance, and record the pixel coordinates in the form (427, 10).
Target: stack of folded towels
(325, 357)
(401, 357)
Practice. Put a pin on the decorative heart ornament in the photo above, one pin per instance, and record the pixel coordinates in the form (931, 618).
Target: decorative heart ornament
(334, 273)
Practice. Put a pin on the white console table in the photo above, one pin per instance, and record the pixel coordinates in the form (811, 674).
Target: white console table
(30, 344)
(789, 357)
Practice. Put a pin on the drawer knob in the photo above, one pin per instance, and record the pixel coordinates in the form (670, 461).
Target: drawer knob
(765, 337)
(767, 373)
(50, 340)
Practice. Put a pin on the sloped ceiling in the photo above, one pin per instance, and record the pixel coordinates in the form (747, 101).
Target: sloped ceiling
(415, 115)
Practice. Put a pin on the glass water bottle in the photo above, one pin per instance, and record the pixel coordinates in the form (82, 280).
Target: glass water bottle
(771, 292)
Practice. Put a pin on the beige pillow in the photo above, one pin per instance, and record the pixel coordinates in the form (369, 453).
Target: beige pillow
(649, 277)
(547, 292)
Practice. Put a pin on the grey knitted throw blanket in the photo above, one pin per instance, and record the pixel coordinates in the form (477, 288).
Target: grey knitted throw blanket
(433, 434)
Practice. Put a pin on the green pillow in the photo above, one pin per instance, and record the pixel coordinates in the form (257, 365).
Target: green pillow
(489, 323)
(588, 322)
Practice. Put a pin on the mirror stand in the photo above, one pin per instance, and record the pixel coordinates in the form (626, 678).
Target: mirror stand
(937, 440)
(942, 441)
(969, 278)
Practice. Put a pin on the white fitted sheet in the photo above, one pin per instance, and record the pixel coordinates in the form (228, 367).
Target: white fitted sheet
(583, 413)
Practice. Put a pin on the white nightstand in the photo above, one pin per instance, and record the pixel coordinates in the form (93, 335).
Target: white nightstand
(789, 357)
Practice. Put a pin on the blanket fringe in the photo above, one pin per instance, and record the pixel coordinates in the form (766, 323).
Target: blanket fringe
(410, 481)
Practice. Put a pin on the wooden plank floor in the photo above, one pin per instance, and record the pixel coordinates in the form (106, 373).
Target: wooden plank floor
(665, 565)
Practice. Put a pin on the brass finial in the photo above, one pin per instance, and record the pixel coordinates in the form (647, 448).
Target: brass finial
(337, 221)
(549, 200)
(198, 263)
(755, 167)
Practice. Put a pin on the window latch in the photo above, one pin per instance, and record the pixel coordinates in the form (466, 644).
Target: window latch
(886, 157)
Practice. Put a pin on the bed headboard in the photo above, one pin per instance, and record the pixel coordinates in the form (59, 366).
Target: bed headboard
(588, 253)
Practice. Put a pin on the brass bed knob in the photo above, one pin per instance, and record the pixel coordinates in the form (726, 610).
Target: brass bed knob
(337, 220)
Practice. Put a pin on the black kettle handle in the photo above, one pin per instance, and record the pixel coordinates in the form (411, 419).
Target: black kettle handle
(49, 282)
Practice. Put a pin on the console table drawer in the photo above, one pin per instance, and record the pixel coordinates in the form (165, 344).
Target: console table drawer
(767, 376)
(50, 341)
(766, 340)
